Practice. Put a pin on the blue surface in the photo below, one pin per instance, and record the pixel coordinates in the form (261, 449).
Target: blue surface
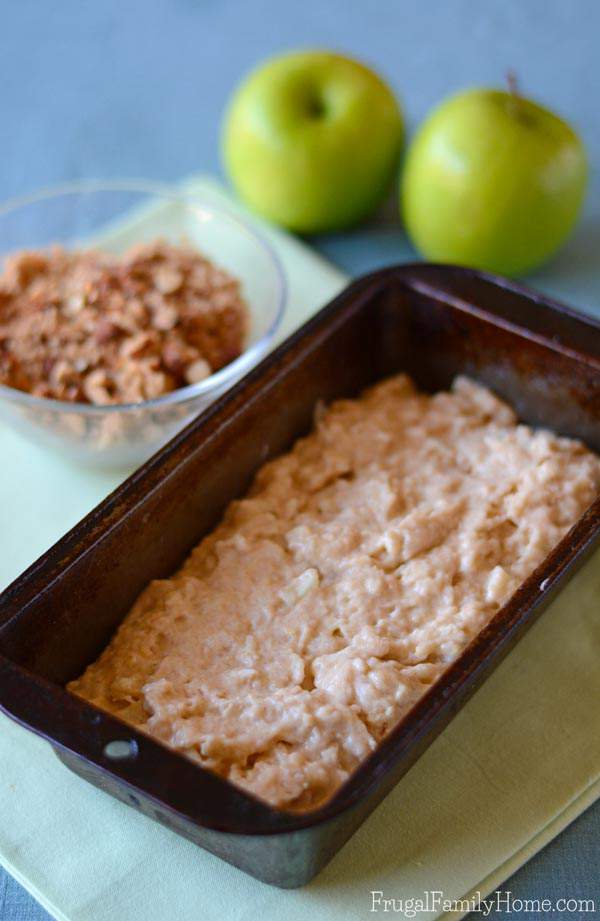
(136, 89)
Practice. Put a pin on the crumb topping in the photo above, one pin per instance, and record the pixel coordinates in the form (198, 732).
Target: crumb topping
(90, 327)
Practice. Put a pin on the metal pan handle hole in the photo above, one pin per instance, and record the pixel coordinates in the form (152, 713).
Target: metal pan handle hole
(121, 750)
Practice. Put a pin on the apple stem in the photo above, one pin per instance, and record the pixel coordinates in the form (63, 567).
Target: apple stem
(513, 83)
(514, 94)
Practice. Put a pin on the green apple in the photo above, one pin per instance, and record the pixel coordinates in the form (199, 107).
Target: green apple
(493, 181)
(311, 140)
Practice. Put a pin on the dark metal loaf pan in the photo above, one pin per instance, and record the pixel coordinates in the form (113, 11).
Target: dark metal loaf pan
(430, 321)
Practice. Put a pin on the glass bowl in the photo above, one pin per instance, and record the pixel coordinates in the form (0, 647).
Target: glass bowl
(113, 216)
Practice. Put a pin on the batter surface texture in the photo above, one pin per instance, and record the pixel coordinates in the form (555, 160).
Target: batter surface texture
(329, 599)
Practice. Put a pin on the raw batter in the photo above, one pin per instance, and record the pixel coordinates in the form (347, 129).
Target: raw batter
(359, 566)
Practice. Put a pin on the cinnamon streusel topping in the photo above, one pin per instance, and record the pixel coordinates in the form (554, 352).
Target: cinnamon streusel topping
(92, 327)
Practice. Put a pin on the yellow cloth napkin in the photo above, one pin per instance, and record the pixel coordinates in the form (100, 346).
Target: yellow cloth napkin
(519, 762)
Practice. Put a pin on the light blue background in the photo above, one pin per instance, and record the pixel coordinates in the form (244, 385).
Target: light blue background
(136, 89)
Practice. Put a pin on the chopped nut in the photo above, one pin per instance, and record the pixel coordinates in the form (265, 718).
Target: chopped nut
(197, 371)
(61, 372)
(97, 387)
(141, 344)
(155, 384)
(165, 317)
(105, 331)
(168, 280)
(172, 357)
(22, 268)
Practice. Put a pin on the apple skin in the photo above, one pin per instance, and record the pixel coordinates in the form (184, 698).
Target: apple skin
(312, 140)
(492, 181)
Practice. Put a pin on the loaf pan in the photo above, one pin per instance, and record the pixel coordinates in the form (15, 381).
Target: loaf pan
(431, 321)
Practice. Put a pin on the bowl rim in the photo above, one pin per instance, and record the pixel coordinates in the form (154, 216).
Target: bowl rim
(181, 395)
